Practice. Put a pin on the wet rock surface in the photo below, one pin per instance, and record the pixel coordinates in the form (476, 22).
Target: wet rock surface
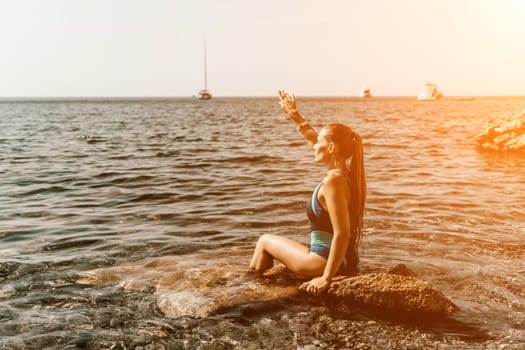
(392, 292)
(200, 291)
(112, 317)
(503, 134)
(378, 309)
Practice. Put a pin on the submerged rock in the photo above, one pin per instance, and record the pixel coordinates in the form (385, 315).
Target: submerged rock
(392, 292)
(194, 286)
(200, 285)
(503, 134)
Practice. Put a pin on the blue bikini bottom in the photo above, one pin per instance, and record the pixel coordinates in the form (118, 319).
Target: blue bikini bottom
(320, 242)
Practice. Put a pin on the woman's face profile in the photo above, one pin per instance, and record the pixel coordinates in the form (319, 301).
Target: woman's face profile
(321, 148)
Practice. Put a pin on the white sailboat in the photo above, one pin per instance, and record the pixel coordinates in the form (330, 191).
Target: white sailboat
(430, 93)
(205, 94)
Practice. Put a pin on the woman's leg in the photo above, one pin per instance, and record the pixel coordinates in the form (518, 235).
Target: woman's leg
(295, 256)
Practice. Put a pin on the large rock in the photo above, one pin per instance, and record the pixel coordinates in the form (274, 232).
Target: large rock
(392, 292)
(202, 284)
(503, 134)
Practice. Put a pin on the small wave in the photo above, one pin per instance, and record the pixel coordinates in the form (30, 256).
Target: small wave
(196, 164)
(168, 154)
(165, 197)
(68, 243)
(247, 159)
(132, 179)
(44, 190)
(122, 157)
(106, 174)
(93, 139)
(389, 146)
(34, 214)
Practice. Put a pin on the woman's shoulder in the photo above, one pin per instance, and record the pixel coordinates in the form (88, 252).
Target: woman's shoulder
(336, 178)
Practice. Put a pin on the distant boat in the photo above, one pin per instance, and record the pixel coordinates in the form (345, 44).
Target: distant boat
(365, 93)
(430, 92)
(205, 94)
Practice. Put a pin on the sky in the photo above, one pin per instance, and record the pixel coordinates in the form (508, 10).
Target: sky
(69, 48)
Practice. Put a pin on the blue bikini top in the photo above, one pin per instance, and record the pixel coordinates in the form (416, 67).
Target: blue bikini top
(319, 218)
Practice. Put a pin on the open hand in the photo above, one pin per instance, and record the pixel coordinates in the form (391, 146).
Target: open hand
(287, 102)
(315, 286)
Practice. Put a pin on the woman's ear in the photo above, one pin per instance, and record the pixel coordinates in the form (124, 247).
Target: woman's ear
(331, 148)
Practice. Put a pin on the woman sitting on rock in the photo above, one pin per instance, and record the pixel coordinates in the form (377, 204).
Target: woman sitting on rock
(335, 210)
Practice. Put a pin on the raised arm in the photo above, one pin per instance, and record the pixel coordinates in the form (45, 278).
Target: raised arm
(289, 107)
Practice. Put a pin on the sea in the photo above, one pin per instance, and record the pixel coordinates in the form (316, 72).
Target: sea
(152, 196)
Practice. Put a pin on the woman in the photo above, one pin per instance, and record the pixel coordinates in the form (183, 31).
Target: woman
(335, 210)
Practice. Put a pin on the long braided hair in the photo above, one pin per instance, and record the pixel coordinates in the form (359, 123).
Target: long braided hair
(351, 147)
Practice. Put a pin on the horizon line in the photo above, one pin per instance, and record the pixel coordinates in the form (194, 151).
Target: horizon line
(226, 96)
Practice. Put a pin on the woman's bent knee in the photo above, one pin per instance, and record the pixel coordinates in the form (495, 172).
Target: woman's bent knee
(265, 239)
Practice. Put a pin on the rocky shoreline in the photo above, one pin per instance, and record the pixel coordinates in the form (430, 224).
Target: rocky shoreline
(503, 134)
(297, 324)
(199, 293)
(377, 309)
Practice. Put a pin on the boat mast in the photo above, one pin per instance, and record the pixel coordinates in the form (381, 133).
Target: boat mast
(205, 66)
